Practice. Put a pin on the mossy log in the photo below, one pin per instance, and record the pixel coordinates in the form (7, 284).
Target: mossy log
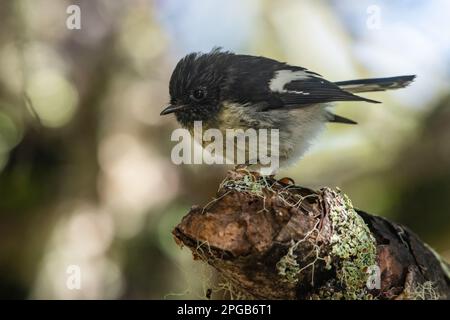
(271, 239)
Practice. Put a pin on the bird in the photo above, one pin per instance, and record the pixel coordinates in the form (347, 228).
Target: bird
(225, 90)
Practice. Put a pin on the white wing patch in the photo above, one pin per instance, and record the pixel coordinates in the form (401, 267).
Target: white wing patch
(283, 77)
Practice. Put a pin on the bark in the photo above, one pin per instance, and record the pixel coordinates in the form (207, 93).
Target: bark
(270, 239)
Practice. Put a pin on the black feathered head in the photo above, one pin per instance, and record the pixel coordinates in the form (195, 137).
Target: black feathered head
(195, 86)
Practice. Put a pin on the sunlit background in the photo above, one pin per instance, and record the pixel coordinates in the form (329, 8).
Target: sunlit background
(86, 179)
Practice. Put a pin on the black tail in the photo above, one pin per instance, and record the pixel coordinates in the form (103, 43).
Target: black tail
(375, 84)
(339, 119)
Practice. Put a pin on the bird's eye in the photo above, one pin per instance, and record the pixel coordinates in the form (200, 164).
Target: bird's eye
(198, 94)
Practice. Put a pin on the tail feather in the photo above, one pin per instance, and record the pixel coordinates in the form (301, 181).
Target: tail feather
(375, 84)
(339, 119)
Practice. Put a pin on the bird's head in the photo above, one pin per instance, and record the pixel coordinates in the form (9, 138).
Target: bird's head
(195, 87)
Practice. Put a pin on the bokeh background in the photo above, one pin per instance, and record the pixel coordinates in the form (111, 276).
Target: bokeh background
(85, 173)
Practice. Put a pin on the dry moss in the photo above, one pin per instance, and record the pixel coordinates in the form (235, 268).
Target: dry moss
(424, 291)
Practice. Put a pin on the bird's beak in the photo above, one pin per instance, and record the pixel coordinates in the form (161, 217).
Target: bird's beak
(171, 109)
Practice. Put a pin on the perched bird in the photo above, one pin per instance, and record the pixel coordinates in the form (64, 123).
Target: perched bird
(233, 91)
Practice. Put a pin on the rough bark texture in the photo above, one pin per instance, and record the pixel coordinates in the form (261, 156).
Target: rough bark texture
(271, 239)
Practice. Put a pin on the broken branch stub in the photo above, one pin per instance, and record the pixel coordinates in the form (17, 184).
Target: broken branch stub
(271, 239)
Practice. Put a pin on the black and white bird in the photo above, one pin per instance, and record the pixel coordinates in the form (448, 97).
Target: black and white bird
(233, 91)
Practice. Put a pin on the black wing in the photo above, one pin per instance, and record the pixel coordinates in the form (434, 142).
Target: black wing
(274, 84)
(313, 89)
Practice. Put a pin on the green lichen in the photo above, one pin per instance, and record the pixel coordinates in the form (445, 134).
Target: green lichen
(288, 267)
(352, 251)
(353, 248)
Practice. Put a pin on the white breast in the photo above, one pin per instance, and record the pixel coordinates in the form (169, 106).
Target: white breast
(298, 128)
(304, 128)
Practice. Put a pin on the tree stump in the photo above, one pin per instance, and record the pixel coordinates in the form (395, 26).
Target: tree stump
(271, 239)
